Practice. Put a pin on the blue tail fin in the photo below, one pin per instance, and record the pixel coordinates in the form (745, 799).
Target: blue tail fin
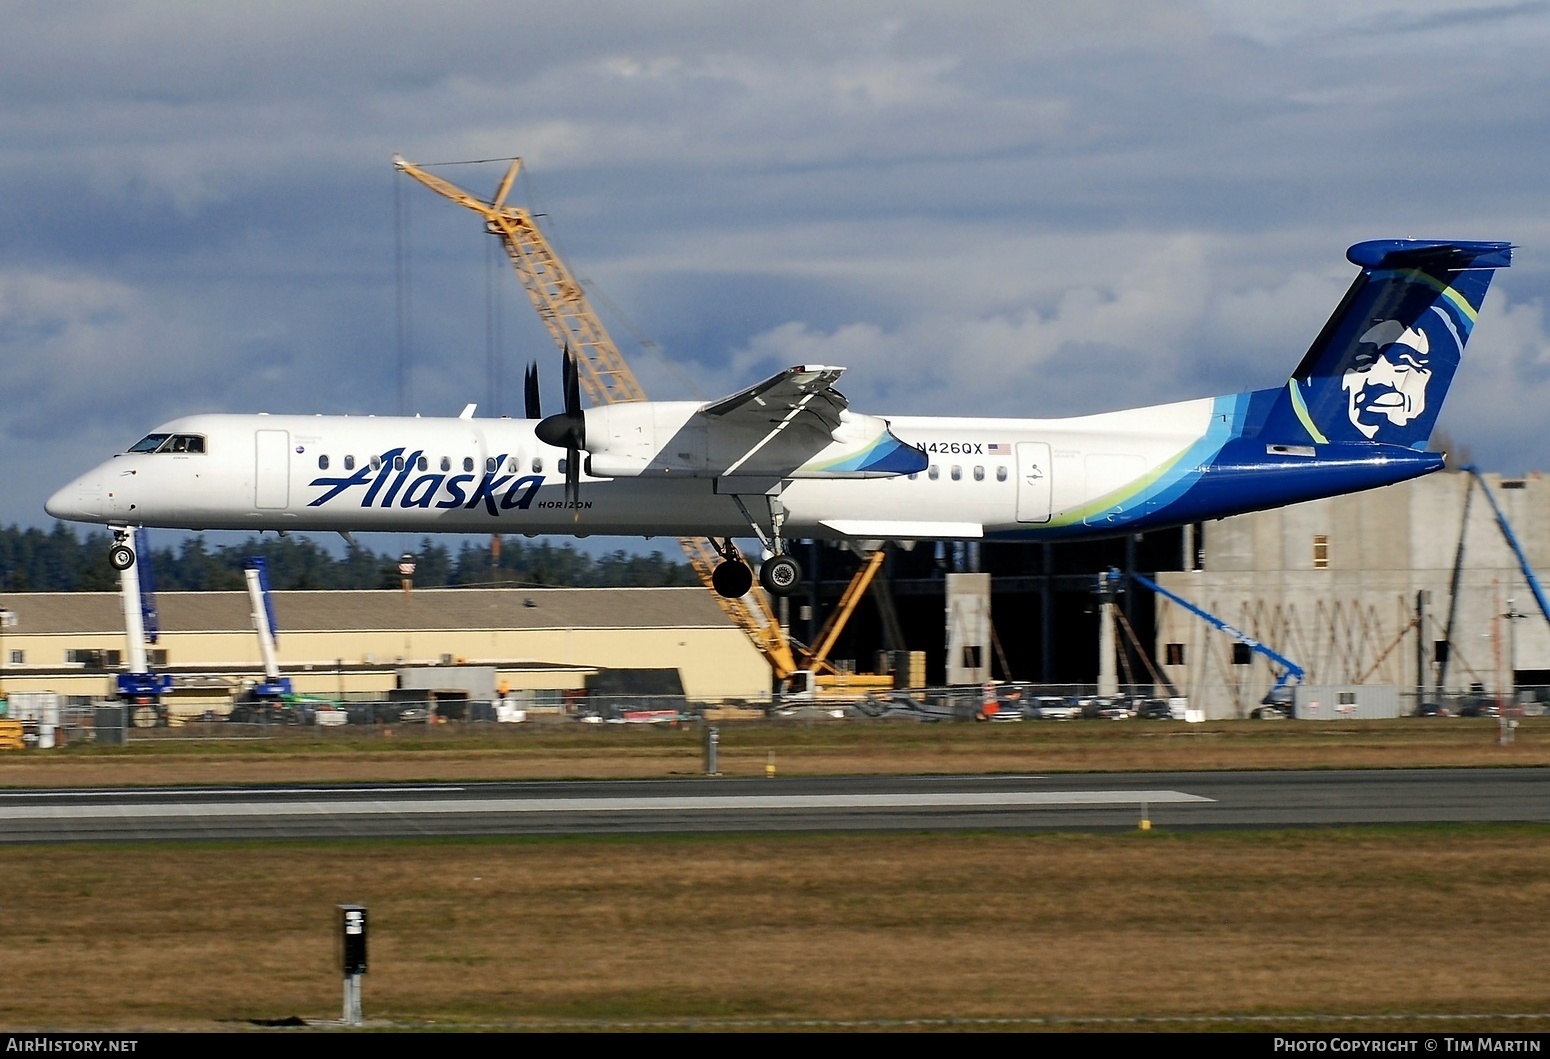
(1383, 363)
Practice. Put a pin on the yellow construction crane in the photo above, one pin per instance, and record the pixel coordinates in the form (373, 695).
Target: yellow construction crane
(607, 379)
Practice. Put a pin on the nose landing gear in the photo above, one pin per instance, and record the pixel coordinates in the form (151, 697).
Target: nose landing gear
(121, 556)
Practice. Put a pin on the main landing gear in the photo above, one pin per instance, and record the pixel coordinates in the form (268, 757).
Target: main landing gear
(732, 578)
(781, 575)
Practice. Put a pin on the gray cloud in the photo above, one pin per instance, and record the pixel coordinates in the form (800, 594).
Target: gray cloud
(1042, 208)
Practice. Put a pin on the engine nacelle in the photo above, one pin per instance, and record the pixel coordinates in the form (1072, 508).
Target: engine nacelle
(645, 438)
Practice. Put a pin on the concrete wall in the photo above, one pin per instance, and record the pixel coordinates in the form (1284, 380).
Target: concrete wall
(1353, 621)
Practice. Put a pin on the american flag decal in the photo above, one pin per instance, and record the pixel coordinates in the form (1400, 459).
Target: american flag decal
(997, 448)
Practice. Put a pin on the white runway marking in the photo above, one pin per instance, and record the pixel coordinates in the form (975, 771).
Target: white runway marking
(658, 804)
(173, 792)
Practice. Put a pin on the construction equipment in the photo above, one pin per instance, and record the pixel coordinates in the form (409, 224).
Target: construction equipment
(1512, 542)
(141, 688)
(607, 379)
(274, 687)
(1458, 565)
(1290, 671)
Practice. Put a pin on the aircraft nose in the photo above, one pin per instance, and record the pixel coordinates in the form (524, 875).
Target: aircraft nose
(80, 501)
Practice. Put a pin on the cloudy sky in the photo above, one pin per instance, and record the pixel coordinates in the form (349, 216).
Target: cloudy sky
(1030, 208)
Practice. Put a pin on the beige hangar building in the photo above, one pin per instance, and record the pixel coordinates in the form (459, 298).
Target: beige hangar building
(540, 642)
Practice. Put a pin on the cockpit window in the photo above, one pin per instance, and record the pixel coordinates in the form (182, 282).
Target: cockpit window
(169, 443)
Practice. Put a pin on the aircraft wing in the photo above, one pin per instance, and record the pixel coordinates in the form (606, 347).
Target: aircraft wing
(796, 424)
(803, 396)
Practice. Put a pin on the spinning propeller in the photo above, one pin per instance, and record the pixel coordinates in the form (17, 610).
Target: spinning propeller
(568, 430)
(530, 392)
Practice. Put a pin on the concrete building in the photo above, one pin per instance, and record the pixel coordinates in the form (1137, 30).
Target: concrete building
(1358, 590)
(334, 643)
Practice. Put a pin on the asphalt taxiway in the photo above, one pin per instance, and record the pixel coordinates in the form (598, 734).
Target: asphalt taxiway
(1091, 801)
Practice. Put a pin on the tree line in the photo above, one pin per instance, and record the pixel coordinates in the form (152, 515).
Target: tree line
(57, 560)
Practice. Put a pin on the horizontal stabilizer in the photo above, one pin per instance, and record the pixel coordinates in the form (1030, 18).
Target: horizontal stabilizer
(1429, 253)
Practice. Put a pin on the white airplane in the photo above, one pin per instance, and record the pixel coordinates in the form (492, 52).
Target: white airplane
(788, 458)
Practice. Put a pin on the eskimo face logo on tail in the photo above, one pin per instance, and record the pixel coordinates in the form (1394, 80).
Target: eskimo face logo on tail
(1387, 382)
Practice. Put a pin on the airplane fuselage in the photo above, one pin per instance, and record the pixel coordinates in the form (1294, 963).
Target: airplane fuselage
(1000, 479)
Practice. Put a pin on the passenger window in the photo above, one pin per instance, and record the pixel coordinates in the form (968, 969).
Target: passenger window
(398, 463)
(376, 463)
(490, 465)
(1001, 473)
(446, 463)
(559, 466)
(468, 463)
(511, 465)
(322, 463)
(914, 475)
(349, 463)
(538, 465)
(932, 472)
(422, 463)
(957, 473)
(979, 474)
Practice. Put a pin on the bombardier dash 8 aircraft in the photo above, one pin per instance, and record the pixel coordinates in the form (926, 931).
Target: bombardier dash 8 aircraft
(788, 458)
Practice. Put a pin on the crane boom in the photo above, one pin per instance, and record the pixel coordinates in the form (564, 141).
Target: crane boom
(603, 373)
(1289, 670)
(1512, 542)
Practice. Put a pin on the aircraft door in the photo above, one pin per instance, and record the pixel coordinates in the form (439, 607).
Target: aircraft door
(272, 473)
(1033, 484)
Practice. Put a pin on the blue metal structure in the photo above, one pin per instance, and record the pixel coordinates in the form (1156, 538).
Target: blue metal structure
(1291, 671)
(147, 687)
(1512, 542)
(274, 686)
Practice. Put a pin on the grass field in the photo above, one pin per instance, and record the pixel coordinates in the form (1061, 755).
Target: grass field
(575, 751)
(696, 931)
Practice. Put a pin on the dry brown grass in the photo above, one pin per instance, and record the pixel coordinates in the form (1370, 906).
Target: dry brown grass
(1445, 920)
(857, 748)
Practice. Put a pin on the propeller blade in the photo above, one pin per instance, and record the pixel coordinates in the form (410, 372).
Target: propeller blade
(530, 392)
(573, 480)
(572, 385)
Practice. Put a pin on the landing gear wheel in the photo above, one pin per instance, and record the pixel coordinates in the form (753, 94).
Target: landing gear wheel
(780, 575)
(732, 579)
(121, 557)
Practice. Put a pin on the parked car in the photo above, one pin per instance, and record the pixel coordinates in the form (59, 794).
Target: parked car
(1106, 708)
(1054, 708)
(1431, 709)
(1154, 710)
(1480, 707)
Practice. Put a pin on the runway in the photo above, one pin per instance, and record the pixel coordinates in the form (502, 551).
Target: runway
(910, 803)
